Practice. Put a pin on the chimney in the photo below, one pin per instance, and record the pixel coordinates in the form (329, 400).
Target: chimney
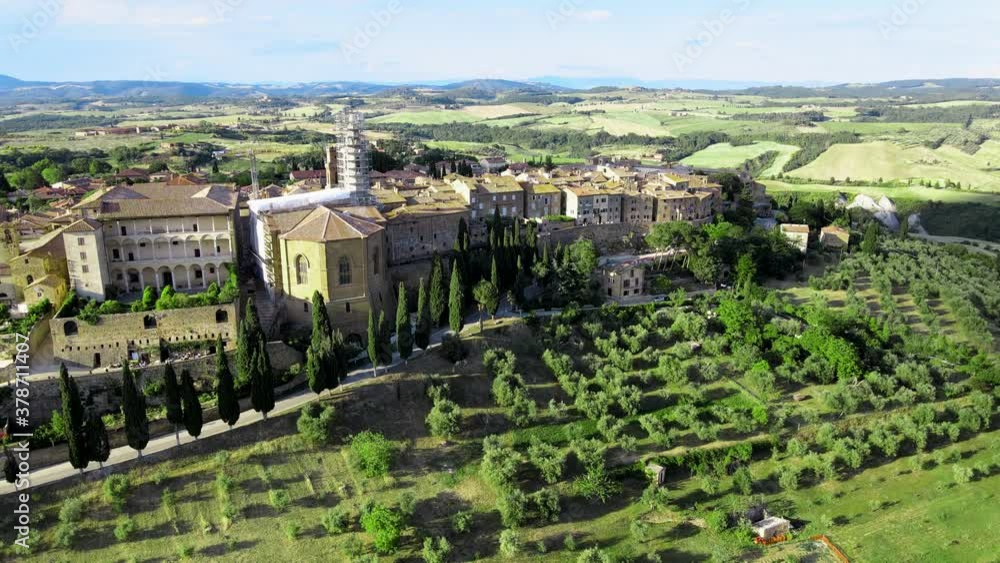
(331, 167)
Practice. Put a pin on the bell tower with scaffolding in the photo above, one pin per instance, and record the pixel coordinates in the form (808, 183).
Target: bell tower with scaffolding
(352, 162)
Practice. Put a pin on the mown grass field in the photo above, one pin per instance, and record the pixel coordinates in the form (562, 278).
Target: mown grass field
(912, 193)
(724, 155)
(886, 160)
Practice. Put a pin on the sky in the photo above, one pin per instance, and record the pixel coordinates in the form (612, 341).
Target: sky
(396, 41)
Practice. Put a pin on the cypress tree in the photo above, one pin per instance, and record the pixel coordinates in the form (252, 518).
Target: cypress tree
(262, 384)
(134, 410)
(248, 339)
(315, 374)
(494, 274)
(439, 293)
(456, 301)
(72, 411)
(192, 407)
(339, 360)
(225, 388)
(172, 400)
(98, 442)
(422, 335)
(404, 329)
(384, 340)
(373, 340)
(9, 463)
(463, 235)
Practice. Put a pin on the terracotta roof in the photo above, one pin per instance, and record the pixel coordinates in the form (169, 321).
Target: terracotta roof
(308, 174)
(160, 200)
(323, 224)
(83, 226)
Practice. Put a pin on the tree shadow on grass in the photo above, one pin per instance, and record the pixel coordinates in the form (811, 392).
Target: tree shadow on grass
(219, 550)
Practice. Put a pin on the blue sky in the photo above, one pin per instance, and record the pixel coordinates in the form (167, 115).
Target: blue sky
(412, 40)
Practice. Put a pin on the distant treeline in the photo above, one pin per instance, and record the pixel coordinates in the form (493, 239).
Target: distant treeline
(939, 114)
(48, 121)
(578, 143)
(545, 99)
(781, 117)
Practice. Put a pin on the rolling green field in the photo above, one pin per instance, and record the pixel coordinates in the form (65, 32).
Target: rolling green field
(724, 155)
(912, 193)
(871, 161)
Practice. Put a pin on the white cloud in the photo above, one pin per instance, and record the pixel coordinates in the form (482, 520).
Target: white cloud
(594, 16)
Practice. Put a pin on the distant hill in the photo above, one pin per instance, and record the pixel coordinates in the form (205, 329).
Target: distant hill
(924, 90)
(13, 90)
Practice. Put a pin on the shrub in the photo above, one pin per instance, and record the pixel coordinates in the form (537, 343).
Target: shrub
(445, 418)
(639, 529)
(500, 463)
(71, 510)
(384, 525)
(547, 504)
(292, 530)
(963, 475)
(335, 521)
(510, 544)
(549, 460)
(279, 499)
(407, 504)
(65, 534)
(371, 453)
(115, 489)
(453, 349)
(124, 528)
(593, 555)
(461, 522)
(511, 505)
(314, 424)
(569, 542)
(523, 408)
(436, 551)
(717, 521)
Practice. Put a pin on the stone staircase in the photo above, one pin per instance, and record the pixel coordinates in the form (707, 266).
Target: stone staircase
(268, 313)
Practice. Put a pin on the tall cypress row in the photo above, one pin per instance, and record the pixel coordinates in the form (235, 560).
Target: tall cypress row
(134, 410)
(72, 411)
(225, 388)
(340, 360)
(422, 334)
(404, 329)
(438, 291)
(172, 400)
(193, 419)
(456, 301)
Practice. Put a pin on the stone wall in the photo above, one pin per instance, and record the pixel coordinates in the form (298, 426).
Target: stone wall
(114, 336)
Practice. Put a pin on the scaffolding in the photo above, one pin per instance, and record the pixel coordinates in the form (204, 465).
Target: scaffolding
(353, 165)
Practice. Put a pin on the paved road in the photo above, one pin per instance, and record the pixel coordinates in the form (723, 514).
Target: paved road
(54, 473)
